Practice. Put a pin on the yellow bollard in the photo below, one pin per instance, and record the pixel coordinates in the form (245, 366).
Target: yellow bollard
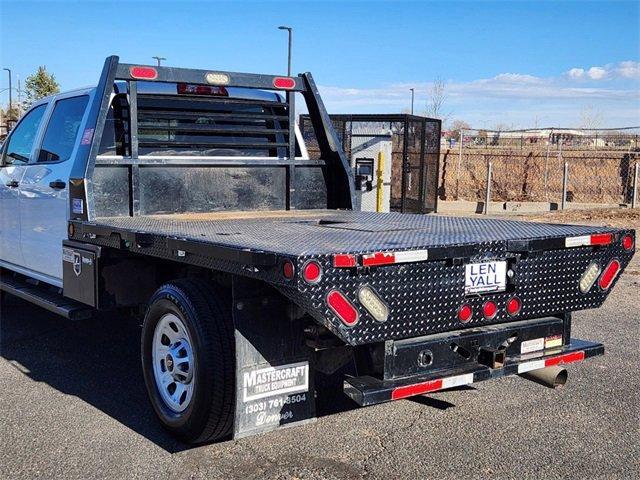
(379, 186)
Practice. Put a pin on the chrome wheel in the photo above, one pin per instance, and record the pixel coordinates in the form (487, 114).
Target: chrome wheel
(173, 362)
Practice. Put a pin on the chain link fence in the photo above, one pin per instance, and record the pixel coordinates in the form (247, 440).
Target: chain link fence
(549, 165)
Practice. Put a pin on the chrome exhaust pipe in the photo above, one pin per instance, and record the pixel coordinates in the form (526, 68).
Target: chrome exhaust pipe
(551, 377)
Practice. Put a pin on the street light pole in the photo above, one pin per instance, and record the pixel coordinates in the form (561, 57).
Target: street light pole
(290, 32)
(412, 96)
(159, 59)
(10, 97)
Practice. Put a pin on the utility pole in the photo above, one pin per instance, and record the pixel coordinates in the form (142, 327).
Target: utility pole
(412, 97)
(159, 59)
(19, 98)
(10, 99)
(290, 32)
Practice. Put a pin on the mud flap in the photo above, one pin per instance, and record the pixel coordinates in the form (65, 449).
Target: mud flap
(274, 372)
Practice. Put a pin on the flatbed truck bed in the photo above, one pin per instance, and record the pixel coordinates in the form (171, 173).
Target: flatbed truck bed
(318, 232)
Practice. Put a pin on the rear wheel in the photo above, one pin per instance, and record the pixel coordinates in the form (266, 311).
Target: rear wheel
(188, 360)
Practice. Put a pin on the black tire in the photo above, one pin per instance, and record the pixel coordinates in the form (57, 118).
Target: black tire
(206, 315)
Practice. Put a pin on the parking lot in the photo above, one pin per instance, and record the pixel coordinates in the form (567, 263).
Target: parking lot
(73, 405)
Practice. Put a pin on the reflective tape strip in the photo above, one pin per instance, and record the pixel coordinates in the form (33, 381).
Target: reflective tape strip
(378, 258)
(589, 240)
(431, 386)
(528, 366)
(551, 362)
(412, 256)
(566, 358)
(583, 241)
(390, 258)
(457, 381)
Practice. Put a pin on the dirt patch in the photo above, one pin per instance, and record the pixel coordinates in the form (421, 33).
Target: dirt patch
(613, 217)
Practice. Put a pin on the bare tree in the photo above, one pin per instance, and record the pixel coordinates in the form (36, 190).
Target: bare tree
(437, 97)
(456, 127)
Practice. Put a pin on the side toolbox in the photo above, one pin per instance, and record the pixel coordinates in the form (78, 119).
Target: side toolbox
(80, 272)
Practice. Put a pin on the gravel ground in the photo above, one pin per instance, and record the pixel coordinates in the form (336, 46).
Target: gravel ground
(72, 405)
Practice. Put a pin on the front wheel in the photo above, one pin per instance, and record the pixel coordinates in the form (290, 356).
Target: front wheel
(188, 360)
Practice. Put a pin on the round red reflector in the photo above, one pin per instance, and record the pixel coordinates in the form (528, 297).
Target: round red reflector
(465, 313)
(284, 82)
(489, 309)
(609, 274)
(146, 73)
(288, 270)
(627, 242)
(513, 306)
(311, 272)
(342, 307)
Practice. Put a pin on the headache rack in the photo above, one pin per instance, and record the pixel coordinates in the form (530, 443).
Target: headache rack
(203, 131)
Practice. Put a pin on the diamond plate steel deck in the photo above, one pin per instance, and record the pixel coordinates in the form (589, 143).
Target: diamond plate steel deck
(322, 232)
(423, 297)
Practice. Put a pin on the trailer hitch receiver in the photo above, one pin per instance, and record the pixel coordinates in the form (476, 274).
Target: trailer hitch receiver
(492, 357)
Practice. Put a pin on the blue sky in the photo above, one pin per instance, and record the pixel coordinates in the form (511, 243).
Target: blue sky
(515, 63)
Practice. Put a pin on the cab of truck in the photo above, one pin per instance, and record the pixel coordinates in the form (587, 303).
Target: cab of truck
(175, 120)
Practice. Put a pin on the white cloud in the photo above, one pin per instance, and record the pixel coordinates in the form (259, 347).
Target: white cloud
(628, 69)
(576, 73)
(597, 73)
(613, 88)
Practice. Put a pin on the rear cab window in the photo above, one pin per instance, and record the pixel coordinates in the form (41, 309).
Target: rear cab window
(62, 130)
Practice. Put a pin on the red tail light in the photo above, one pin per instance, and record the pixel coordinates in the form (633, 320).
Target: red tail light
(312, 272)
(285, 83)
(489, 309)
(513, 306)
(627, 242)
(143, 73)
(465, 313)
(609, 274)
(342, 307)
(288, 270)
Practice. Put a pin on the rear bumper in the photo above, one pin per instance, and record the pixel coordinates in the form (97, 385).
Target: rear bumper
(368, 390)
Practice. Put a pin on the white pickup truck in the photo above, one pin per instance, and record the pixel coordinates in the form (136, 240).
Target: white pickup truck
(188, 194)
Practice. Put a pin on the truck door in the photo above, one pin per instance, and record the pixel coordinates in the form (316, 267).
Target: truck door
(44, 188)
(16, 153)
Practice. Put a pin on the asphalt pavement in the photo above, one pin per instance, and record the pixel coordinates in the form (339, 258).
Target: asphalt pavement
(73, 405)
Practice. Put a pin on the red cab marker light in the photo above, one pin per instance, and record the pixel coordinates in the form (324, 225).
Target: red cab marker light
(288, 270)
(627, 242)
(344, 260)
(191, 89)
(609, 274)
(465, 313)
(143, 73)
(513, 306)
(285, 83)
(489, 309)
(342, 307)
(311, 272)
